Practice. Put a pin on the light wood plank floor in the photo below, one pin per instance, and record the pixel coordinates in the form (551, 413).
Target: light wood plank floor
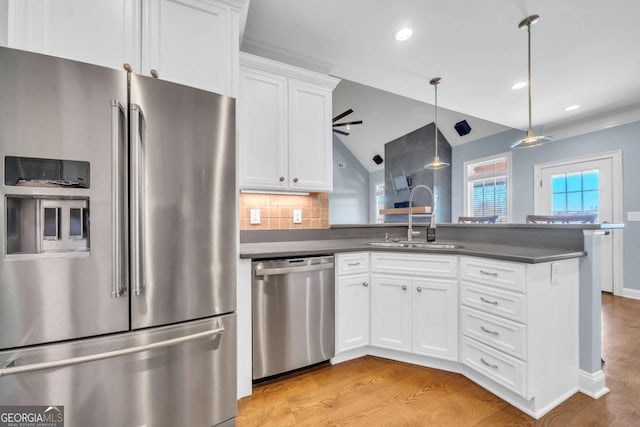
(377, 392)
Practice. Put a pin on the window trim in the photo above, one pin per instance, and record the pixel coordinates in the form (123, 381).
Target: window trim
(466, 180)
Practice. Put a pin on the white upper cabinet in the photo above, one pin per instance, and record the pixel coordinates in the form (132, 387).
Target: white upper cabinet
(262, 122)
(284, 127)
(192, 42)
(95, 31)
(311, 149)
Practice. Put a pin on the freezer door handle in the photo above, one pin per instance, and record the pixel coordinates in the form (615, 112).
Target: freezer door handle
(10, 368)
(137, 131)
(117, 259)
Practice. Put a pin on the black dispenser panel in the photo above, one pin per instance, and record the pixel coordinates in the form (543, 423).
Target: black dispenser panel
(35, 172)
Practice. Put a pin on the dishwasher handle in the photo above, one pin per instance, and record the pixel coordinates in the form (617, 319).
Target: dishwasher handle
(297, 269)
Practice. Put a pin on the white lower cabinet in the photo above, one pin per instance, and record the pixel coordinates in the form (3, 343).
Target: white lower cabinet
(416, 311)
(391, 312)
(353, 300)
(435, 317)
(353, 312)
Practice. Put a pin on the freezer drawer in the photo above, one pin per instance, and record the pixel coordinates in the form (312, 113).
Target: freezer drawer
(192, 383)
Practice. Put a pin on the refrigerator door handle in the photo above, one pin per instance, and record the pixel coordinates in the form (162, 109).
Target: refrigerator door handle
(10, 369)
(137, 271)
(118, 287)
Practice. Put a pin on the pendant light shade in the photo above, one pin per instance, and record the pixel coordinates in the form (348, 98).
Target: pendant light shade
(437, 163)
(531, 140)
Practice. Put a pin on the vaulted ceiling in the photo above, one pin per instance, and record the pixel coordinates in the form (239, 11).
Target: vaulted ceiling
(584, 52)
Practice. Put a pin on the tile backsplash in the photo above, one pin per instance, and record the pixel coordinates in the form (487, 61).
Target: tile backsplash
(276, 211)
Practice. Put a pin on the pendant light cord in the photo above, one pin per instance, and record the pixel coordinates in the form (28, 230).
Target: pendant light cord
(529, 70)
(436, 121)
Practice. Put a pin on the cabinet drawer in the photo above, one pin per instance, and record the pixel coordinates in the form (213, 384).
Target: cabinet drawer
(502, 274)
(499, 367)
(415, 264)
(495, 301)
(501, 334)
(353, 263)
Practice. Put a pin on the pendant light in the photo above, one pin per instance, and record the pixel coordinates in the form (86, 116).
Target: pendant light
(531, 140)
(436, 164)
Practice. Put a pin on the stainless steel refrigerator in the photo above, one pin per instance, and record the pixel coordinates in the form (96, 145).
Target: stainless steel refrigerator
(117, 278)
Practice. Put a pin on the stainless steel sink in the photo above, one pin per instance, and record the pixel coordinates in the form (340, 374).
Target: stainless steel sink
(415, 245)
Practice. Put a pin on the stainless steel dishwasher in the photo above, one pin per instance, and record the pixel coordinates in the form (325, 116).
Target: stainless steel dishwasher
(293, 314)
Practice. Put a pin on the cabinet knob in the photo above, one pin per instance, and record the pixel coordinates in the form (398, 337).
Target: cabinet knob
(419, 289)
(295, 179)
(154, 73)
(404, 287)
(127, 67)
(365, 284)
(281, 179)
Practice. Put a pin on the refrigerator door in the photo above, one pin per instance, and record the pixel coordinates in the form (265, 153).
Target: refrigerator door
(72, 114)
(183, 198)
(190, 383)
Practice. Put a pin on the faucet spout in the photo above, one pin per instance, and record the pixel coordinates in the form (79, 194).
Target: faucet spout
(432, 223)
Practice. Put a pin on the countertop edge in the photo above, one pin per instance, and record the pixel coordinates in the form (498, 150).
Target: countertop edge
(326, 251)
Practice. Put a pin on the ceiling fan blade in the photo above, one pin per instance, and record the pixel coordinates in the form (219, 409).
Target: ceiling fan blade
(358, 122)
(340, 132)
(339, 116)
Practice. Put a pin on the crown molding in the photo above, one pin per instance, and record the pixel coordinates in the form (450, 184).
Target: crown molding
(291, 71)
(594, 123)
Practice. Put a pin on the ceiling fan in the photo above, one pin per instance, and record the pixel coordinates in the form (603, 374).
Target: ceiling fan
(347, 124)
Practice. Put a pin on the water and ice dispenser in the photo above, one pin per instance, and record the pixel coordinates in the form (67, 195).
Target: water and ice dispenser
(41, 221)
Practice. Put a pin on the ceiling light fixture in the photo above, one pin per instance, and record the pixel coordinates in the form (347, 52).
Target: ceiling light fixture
(404, 34)
(572, 107)
(519, 85)
(436, 164)
(531, 140)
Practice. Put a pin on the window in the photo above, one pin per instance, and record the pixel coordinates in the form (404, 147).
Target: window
(487, 187)
(575, 193)
(379, 203)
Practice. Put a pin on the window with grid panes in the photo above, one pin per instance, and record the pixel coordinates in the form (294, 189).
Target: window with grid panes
(487, 191)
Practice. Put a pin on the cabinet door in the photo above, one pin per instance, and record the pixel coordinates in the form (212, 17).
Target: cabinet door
(192, 42)
(99, 32)
(310, 143)
(262, 131)
(391, 312)
(353, 311)
(435, 318)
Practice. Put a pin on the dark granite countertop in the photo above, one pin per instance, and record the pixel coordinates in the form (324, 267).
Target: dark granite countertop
(329, 246)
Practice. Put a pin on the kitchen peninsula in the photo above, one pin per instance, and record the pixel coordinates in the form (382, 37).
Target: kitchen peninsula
(530, 253)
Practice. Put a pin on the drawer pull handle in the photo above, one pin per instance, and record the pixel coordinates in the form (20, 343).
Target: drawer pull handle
(365, 284)
(353, 264)
(489, 331)
(484, 362)
(404, 287)
(419, 289)
(487, 273)
(488, 302)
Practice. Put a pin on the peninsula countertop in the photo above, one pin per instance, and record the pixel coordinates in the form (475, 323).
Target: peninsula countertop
(525, 254)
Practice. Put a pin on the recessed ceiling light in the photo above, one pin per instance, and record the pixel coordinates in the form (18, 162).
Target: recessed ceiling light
(519, 85)
(572, 107)
(404, 34)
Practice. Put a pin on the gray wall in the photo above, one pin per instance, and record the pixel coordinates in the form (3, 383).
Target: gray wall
(349, 201)
(409, 154)
(625, 138)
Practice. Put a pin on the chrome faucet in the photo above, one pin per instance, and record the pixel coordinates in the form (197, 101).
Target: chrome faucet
(432, 224)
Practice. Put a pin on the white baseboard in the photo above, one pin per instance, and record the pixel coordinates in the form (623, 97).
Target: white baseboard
(631, 293)
(592, 384)
(350, 355)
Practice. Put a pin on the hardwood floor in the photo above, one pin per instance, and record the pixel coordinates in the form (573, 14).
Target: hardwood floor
(377, 392)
